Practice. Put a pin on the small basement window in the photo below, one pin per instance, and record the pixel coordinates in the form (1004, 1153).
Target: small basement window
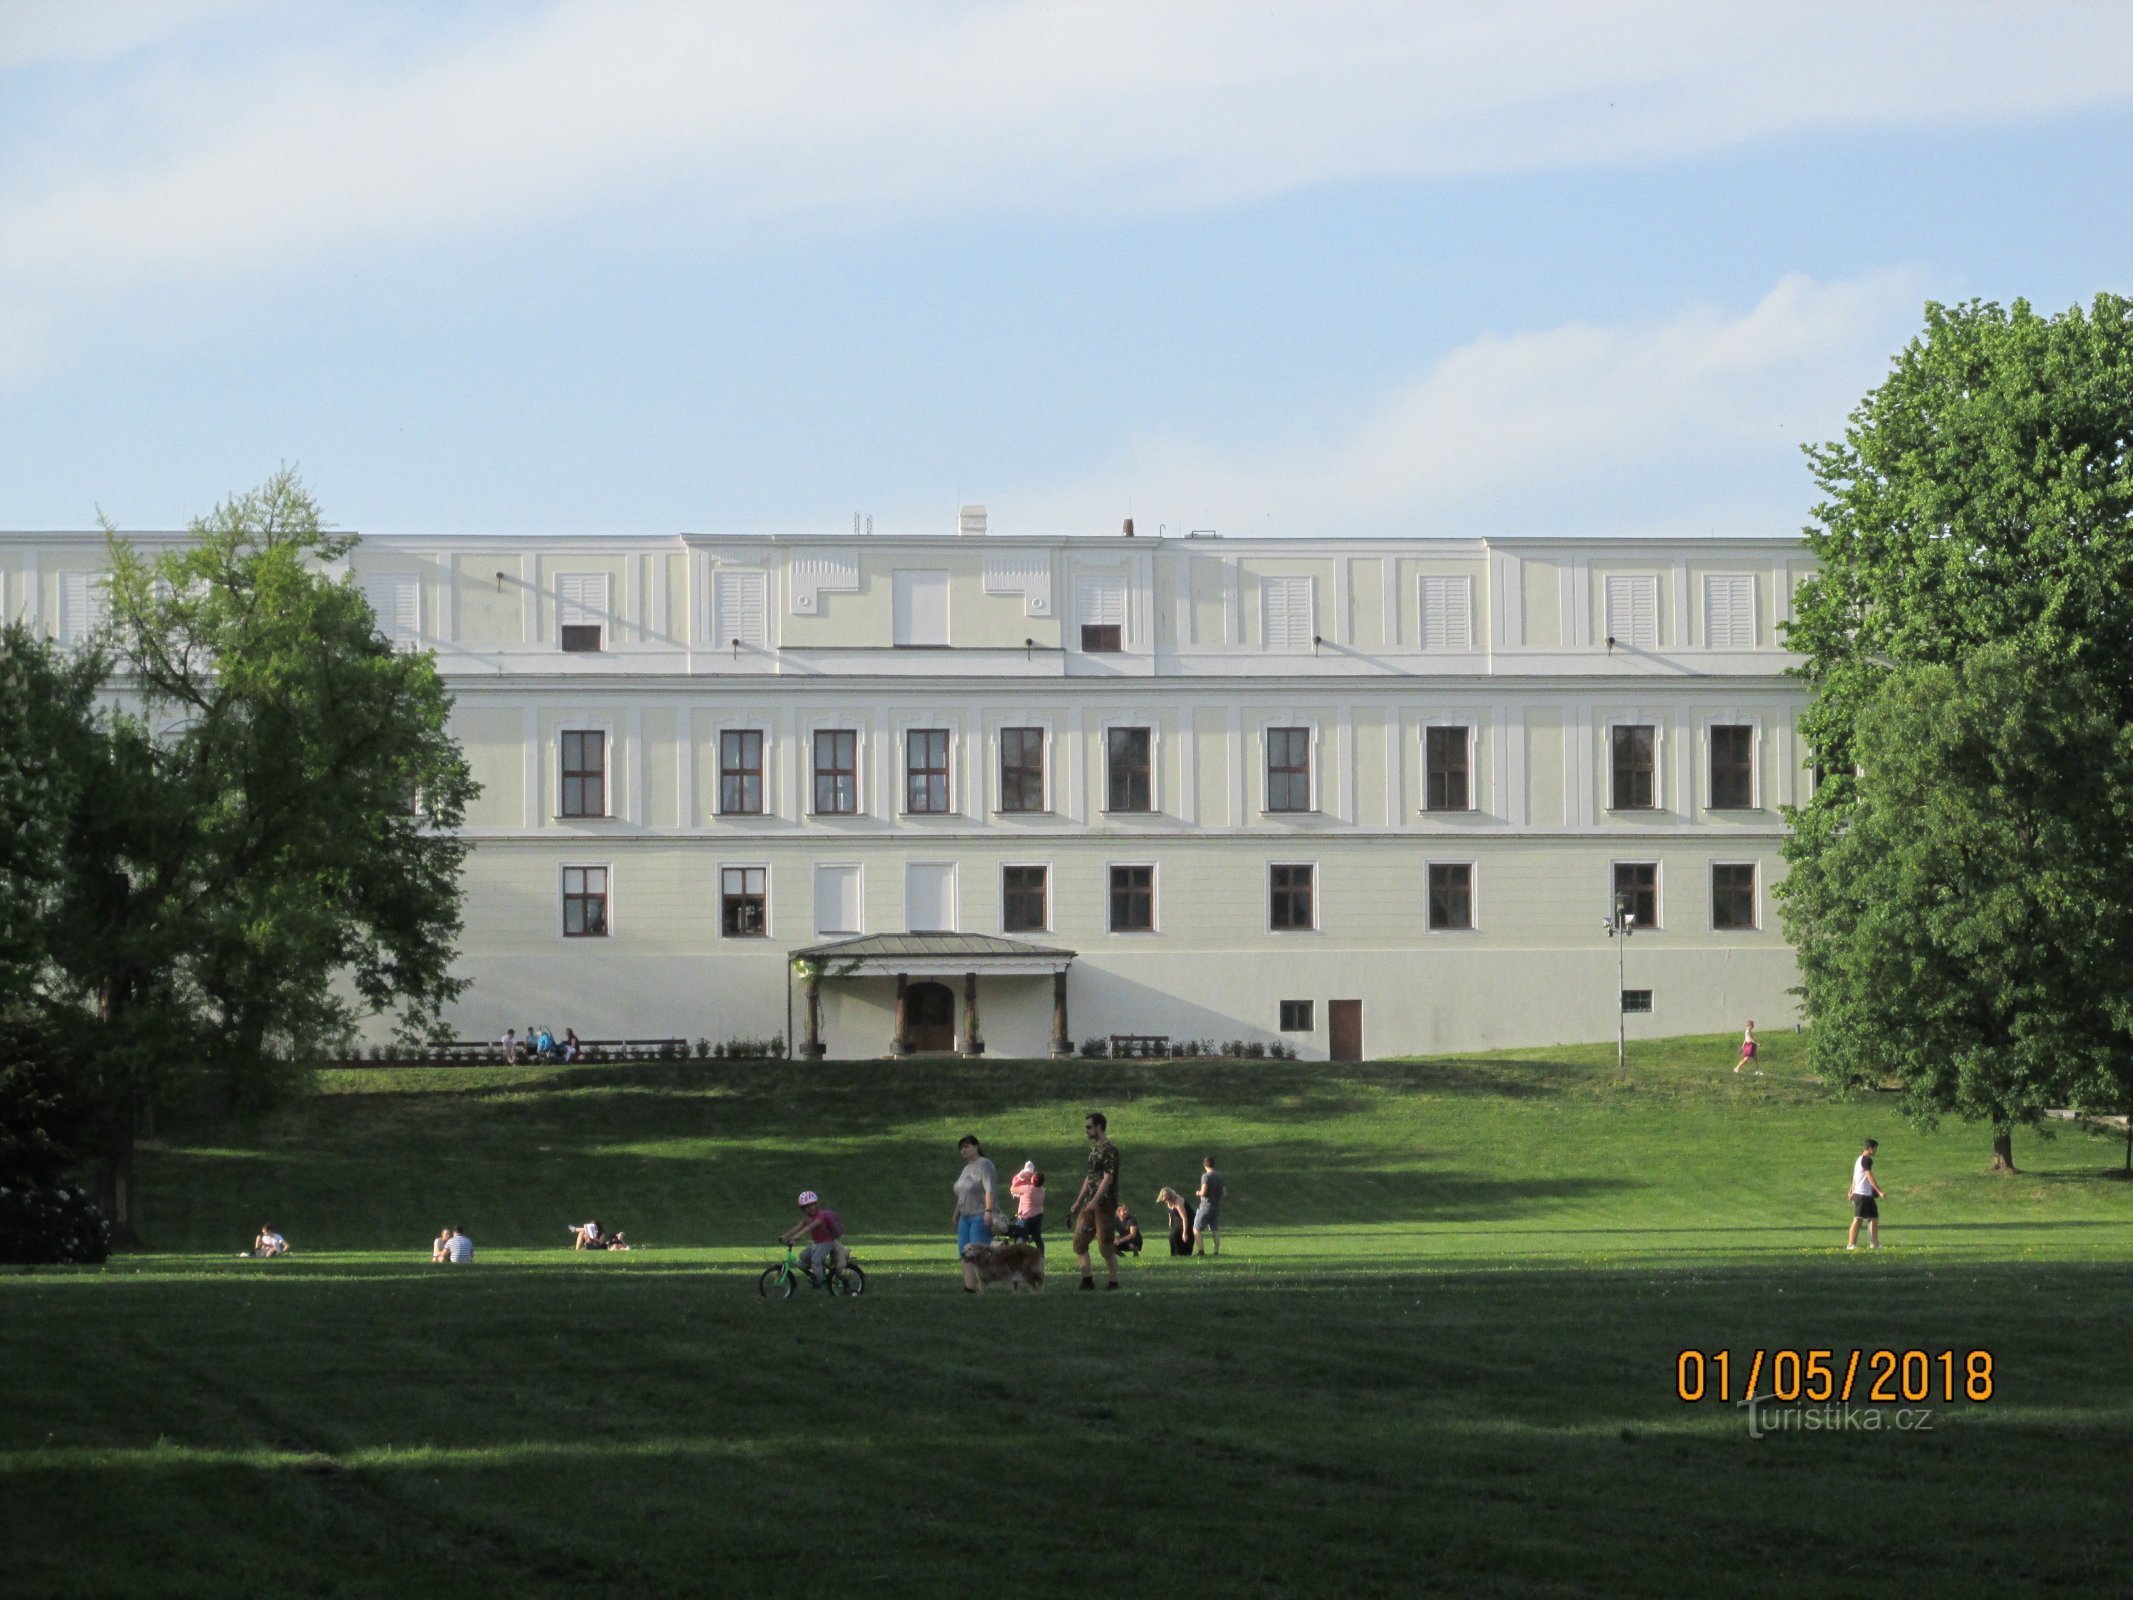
(581, 636)
(1636, 1000)
(1296, 1016)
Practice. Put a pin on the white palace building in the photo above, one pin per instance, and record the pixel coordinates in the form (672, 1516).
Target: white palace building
(1371, 797)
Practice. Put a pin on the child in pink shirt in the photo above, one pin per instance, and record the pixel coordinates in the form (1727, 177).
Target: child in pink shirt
(1028, 1188)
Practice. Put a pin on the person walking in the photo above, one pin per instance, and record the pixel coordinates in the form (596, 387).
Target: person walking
(1747, 1051)
(1095, 1208)
(974, 1204)
(1207, 1222)
(1865, 1194)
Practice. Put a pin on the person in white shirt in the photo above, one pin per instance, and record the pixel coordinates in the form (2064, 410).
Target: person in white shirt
(452, 1247)
(1865, 1192)
(269, 1243)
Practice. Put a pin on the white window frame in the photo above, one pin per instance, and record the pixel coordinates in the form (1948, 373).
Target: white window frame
(1657, 722)
(1155, 899)
(1755, 621)
(1607, 616)
(771, 797)
(1710, 893)
(1473, 895)
(95, 585)
(575, 613)
(739, 575)
(1103, 750)
(1266, 583)
(770, 900)
(857, 728)
(371, 582)
(957, 799)
(1267, 725)
(947, 605)
(1266, 883)
(1658, 866)
(955, 895)
(1422, 583)
(1731, 719)
(1050, 898)
(859, 883)
(995, 791)
(561, 880)
(1451, 719)
(1084, 582)
(610, 760)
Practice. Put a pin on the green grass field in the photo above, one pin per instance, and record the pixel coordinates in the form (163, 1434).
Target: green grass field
(1438, 1354)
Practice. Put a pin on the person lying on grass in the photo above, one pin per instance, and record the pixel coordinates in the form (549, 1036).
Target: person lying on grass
(588, 1236)
(269, 1243)
(825, 1233)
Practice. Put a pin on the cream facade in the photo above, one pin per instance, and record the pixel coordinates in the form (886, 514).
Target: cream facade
(1374, 796)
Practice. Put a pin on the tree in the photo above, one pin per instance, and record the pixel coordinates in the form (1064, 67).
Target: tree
(266, 847)
(1979, 500)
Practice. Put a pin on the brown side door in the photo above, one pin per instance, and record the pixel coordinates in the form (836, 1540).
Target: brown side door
(1344, 1029)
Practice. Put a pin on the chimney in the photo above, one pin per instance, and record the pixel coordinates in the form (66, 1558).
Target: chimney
(1129, 527)
(973, 522)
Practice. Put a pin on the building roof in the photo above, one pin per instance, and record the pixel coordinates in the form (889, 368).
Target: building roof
(886, 954)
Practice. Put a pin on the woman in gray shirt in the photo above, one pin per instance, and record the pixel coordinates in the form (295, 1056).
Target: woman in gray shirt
(974, 1204)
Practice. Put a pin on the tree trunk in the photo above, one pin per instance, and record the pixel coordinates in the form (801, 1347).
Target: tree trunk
(115, 1177)
(2003, 1149)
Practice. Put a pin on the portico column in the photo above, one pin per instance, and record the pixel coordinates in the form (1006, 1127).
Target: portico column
(1062, 1045)
(812, 1049)
(973, 1041)
(901, 1044)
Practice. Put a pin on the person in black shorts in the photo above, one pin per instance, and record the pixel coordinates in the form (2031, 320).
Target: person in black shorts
(1865, 1195)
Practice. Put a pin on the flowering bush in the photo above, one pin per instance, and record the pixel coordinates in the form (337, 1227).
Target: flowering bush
(42, 1226)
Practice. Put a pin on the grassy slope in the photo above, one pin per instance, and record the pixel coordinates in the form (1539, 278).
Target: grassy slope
(1363, 1399)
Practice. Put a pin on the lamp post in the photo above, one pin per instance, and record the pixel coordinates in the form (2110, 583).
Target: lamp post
(1619, 927)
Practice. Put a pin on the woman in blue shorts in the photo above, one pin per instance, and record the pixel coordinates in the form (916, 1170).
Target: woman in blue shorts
(974, 1205)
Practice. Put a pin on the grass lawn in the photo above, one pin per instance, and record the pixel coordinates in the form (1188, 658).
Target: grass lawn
(1439, 1352)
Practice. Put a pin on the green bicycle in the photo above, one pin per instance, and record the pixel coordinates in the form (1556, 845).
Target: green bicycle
(782, 1281)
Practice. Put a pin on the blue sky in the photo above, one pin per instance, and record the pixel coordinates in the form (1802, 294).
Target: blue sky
(1307, 269)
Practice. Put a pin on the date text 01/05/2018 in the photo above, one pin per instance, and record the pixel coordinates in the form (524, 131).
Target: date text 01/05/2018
(1880, 1377)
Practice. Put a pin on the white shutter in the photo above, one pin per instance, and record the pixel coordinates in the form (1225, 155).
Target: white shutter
(921, 608)
(396, 598)
(929, 897)
(837, 900)
(1447, 613)
(1287, 621)
(581, 599)
(84, 603)
(738, 608)
(1729, 611)
(1101, 602)
(1633, 610)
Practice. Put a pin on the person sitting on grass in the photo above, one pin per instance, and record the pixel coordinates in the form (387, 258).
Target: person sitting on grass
(452, 1247)
(1180, 1220)
(268, 1244)
(571, 1048)
(825, 1232)
(588, 1236)
(1129, 1232)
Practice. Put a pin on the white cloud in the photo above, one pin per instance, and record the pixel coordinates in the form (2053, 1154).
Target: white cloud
(869, 111)
(1687, 424)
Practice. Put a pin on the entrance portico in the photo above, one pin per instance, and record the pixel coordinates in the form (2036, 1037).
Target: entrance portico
(928, 969)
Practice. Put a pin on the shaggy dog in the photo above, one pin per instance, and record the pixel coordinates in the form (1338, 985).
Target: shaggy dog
(1011, 1264)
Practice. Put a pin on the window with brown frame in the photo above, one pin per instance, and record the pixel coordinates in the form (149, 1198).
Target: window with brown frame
(585, 902)
(1133, 899)
(1022, 899)
(1102, 638)
(1639, 881)
(744, 902)
(1732, 767)
(1635, 768)
(1451, 894)
(1733, 895)
(584, 756)
(1289, 897)
(1447, 758)
(1296, 1016)
(926, 771)
(1288, 769)
(1021, 769)
(740, 772)
(836, 772)
(1129, 781)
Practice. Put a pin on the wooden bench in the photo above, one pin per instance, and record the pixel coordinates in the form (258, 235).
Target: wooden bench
(1139, 1046)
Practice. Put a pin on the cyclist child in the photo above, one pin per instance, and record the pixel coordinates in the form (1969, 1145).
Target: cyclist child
(824, 1229)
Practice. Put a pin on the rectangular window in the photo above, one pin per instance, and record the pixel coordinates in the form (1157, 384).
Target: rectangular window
(84, 605)
(1101, 639)
(920, 602)
(1133, 899)
(581, 609)
(1447, 613)
(395, 599)
(1635, 769)
(1447, 762)
(1296, 1016)
(837, 899)
(585, 902)
(740, 773)
(1729, 611)
(1129, 780)
(1022, 899)
(744, 902)
(737, 609)
(929, 897)
(1636, 1001)
(1021, 769)
(1732, 768)
(1288, 769)
(1733, 896)
(1451, 894)
(1100, 606)
(1287, 613)
(836, 772)
(1639, 882)
(1633, 610)
(926, 771)
(1289, 897)
(584, 774)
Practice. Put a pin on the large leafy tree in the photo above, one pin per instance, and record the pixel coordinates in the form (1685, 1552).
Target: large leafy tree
(266, 846)
(1976, 516)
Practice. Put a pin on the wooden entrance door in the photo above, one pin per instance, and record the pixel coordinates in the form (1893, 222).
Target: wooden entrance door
(929, 1017)
(1344, 1030)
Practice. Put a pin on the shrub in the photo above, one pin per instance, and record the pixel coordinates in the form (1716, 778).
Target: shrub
(1255, 1051)
(40, 1227)
(703, 1049)
(1233, 1048)
(1191, 1047)
(1282, 1050)
(1095, 1049)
